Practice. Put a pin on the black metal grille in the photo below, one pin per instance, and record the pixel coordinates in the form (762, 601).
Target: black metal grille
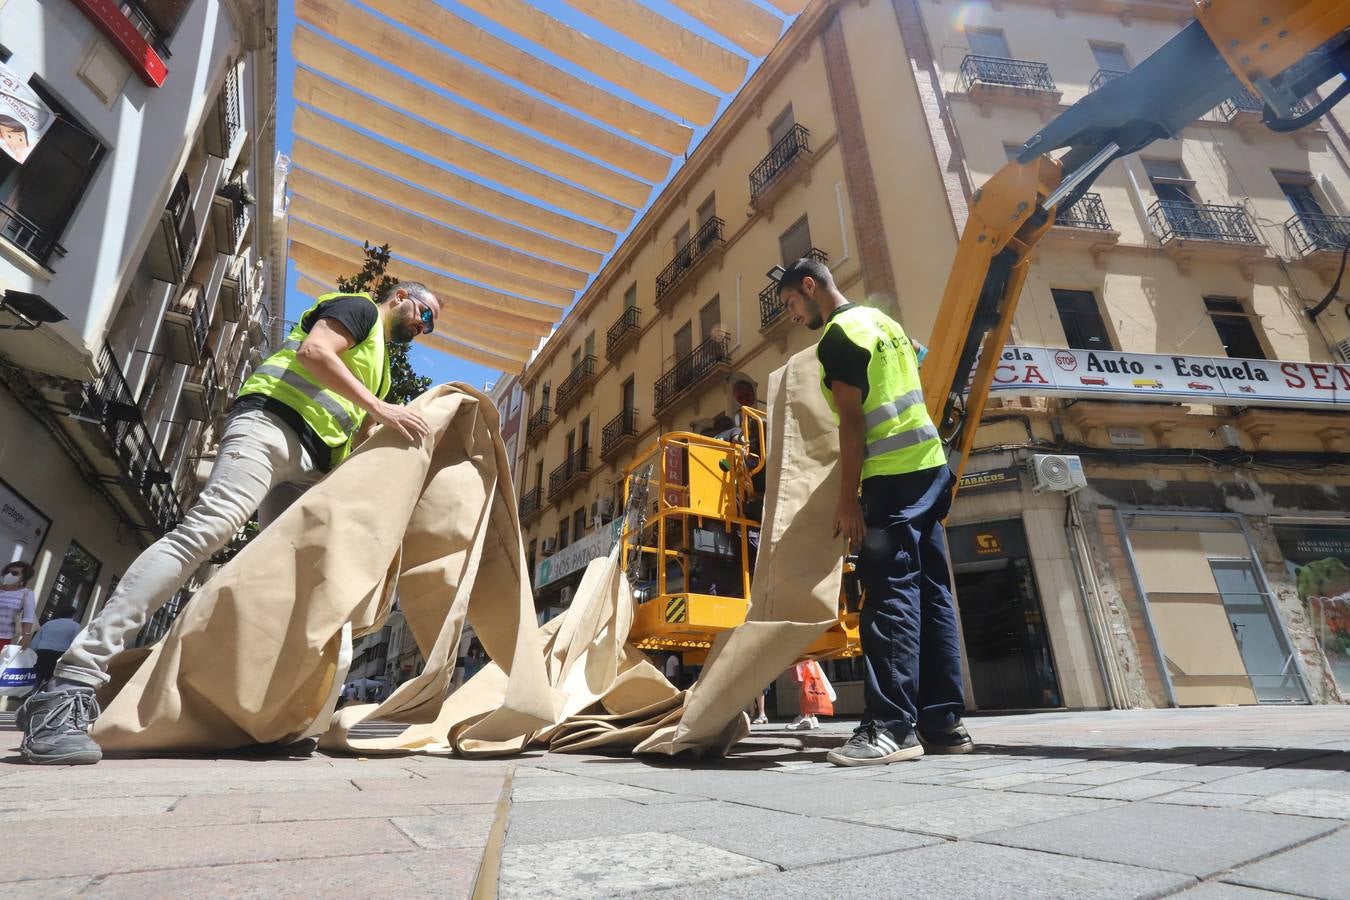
(234, 119)
(622, 426)
(623, 327)
(578, 463)
(109, 398)
(145, 26)
(1311, 232)
(538, 422)
(707, 238)
(531, 503)
(1088, 212)
(1173, 219)
(29, 237)
(687, 372)
(770, 307)
(796, 141)
(571, 386)
(184, 223)
(196, 313)
(205, 375)
(1247, 102)
(1006, 73)
(1102, 76)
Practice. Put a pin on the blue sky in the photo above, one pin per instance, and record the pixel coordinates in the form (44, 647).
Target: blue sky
(440, 367)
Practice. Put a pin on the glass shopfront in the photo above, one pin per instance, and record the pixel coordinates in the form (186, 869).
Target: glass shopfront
(1317, 558)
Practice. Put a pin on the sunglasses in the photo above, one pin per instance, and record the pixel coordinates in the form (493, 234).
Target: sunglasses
(427, 316)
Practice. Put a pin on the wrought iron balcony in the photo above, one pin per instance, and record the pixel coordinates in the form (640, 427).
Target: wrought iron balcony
(531, 504)
(575, 469)
(538, 423)
(1252, 105)
(618, 433)
(1088, 212)
(794, 147)
(581, 377)
(186, 326)
(1102, 76)
(200, 389)
(705, 246)
(1311, 232)
(224, 125)
(29, 237)
(771, 308)
(623, 333)
(233, 295)
(142, 476)
(1009, 73)
(707, 359)
(1177, 220)
(175, 241)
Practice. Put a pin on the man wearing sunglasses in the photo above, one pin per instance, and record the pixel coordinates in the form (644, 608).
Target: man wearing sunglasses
(297, 416)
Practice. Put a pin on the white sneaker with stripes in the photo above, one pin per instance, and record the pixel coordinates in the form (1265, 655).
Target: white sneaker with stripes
(873, 746)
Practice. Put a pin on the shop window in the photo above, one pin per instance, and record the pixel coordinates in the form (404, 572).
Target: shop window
(40, 190)
(1236, 330)
(74, 585)
(1081, 317)
(1317, 562)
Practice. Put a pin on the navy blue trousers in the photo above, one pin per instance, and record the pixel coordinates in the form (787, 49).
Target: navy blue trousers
(910, 643)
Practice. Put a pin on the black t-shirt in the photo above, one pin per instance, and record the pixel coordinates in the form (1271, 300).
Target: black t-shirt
(356, 314)
(842, 359)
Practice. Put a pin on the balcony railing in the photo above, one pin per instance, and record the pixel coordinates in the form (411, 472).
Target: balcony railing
(793, 146)
(531, 503)
(25, 234)
(623, 332)
(537, 423)
(1247, 102)
(1102, 76)
(619, 432)
(697, 250)
(109, 399)
(577, 465)
(1014, 73)
(191, 317)
(200, 389)
(1175, 219)
(771, 308)
(1088, 212)
(1312, 232)
(582, 374)
(234, 116)
(711, 356)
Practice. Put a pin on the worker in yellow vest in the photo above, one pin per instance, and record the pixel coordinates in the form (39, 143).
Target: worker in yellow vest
(298, 415)
(895, 490)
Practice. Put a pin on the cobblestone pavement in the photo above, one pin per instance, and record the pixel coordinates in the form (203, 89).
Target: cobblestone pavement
(1201, 803)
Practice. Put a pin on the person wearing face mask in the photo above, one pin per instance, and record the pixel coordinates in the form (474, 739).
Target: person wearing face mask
(18, 605)
(297, 416)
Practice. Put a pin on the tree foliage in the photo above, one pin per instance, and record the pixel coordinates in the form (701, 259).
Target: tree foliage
(405, 383)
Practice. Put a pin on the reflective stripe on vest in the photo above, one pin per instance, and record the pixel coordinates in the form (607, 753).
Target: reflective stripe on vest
(892, 409)
(901, 440)
(315, 394)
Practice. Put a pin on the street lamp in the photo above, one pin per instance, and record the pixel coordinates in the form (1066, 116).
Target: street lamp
(30, 309)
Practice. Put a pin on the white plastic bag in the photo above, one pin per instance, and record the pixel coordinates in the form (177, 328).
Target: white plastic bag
(18, 672)
(829, 688)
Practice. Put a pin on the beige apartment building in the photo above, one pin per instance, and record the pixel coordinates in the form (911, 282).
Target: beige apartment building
(1156, 514)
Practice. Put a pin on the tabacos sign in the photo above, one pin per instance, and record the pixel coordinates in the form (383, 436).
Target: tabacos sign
(1045, 370)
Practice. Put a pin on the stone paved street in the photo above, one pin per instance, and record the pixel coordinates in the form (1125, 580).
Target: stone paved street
(1205, 803)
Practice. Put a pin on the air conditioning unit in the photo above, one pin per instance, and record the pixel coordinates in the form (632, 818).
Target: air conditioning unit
(1056, 472)
(1343, 350)
(548, 546)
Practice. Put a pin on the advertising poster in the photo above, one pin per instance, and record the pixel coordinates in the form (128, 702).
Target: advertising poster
(1318, 560)
(24, 118)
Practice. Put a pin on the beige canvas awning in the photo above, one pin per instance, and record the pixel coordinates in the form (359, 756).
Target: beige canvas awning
(501, 151)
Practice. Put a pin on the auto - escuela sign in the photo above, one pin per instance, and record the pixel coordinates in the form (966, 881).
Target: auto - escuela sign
(1221, 380)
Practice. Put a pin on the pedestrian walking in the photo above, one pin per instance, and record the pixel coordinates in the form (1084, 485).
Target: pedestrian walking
(816, 698)
(18, 604)
(895, 490)
(51, 641)
(299, 414)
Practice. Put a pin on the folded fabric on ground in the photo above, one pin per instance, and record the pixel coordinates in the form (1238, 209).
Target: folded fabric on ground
(261, 652)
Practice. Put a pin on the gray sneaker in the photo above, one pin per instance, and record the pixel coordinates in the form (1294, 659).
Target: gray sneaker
(56, 727)
(873, 746)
